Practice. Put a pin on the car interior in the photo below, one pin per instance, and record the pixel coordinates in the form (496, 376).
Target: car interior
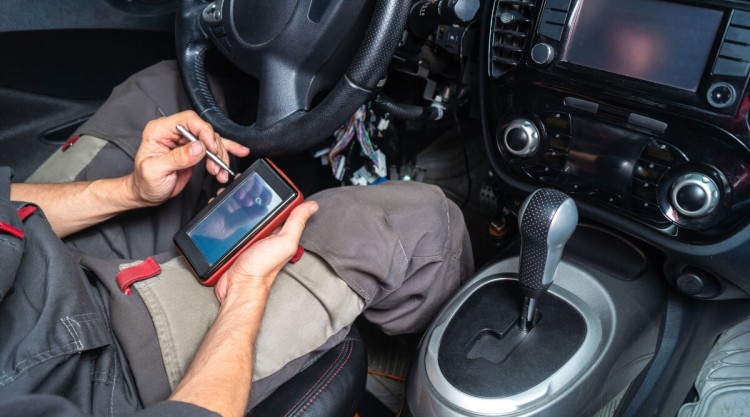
(598, 149)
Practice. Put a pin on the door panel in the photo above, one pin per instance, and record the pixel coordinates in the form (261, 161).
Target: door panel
(61, 59)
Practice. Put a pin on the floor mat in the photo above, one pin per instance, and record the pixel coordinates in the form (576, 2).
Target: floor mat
(388, 362)
(723, 384)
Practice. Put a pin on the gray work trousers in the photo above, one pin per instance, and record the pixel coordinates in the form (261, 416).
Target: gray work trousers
(393, 252)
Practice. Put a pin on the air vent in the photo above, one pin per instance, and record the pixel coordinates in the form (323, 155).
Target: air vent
(511, 27)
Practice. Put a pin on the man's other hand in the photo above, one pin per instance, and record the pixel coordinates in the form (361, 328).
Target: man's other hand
(165, 159)
(257, 267)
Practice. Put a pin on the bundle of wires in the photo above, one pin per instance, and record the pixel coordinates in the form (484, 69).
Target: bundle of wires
(355, 126)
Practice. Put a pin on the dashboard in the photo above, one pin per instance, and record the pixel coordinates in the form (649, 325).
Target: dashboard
(638, 110)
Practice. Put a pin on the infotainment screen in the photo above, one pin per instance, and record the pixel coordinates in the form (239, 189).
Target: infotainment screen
(658, 41)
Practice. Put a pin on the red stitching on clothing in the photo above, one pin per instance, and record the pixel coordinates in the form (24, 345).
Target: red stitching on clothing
(144, 270)
(26, 211)
(329, 380)
(315, 384)
(68, 143)
(10, 230)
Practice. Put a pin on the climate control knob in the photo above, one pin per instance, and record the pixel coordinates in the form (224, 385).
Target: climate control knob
(694, 195)
(521, 137)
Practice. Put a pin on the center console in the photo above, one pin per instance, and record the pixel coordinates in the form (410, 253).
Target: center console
(636, 107)
(638, 110)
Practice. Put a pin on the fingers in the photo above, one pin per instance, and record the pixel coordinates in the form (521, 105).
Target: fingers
(200, 129)
(163, 131)
(161, 135)
(177, 159)
(227, 147)
(235, 148)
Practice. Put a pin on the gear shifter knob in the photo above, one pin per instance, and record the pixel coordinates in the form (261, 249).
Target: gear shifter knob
(546, 221)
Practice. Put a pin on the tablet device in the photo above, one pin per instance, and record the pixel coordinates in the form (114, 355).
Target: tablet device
(248, 210)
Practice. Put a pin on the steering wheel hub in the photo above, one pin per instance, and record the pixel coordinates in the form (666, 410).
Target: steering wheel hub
(259, 21)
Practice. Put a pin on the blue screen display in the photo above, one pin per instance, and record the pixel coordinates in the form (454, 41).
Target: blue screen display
(234, 217)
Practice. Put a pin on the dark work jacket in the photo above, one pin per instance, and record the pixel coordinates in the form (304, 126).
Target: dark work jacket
(58, 353)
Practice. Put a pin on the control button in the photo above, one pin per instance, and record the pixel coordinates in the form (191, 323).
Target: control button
(574, 185)
(691, 197)
(559, 142)
(609, 198)
(649, 171)
(553, 160)
(734, 50)
(741, 18)
(737, 34)
(557, 122)
(721, 95)
(551, 30)
(697, 283)
(212, 13)
(694, 195)
(560, 5)
(649, 211)
(521, 137)
(517, 139)
(543, 173)
(731, 68)
(554, 16)
(663, 153)
(647, 122)
(542, 53)
(644, 190)
(583, 105)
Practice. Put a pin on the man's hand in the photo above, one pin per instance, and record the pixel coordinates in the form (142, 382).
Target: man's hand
(163, 166)
(220, 375)
(258, 266)
(165, 159)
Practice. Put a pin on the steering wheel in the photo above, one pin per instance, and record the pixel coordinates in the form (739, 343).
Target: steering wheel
(292, 47)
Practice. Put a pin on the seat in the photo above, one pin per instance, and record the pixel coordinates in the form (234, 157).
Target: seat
(330, 387)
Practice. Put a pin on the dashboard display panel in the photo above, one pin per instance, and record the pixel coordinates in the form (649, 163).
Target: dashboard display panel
(652, 40)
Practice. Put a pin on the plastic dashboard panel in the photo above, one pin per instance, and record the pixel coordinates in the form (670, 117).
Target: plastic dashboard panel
(723, 257)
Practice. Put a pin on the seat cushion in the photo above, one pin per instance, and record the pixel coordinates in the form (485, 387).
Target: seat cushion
(330, 387)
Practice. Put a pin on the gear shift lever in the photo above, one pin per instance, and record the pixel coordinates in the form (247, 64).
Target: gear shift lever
(546, 221)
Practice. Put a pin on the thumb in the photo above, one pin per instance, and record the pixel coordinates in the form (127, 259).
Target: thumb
(180, 158)
(295, 224)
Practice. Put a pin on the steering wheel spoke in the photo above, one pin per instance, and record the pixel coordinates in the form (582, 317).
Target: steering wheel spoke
(284, 90)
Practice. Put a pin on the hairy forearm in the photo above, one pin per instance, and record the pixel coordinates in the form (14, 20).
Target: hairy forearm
(71, 207)
(219, 377)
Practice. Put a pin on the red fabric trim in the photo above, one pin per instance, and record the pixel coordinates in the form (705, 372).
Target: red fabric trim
(144, 270)
(10, 230)
(297, 256)
(26, 211)
(68, 143)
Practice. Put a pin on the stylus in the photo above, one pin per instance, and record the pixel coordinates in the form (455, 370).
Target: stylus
(213, 157)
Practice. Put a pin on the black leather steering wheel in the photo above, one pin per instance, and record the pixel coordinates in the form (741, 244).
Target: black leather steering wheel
(291, 47)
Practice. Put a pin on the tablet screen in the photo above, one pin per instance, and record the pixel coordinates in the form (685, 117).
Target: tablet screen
(231, 220)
